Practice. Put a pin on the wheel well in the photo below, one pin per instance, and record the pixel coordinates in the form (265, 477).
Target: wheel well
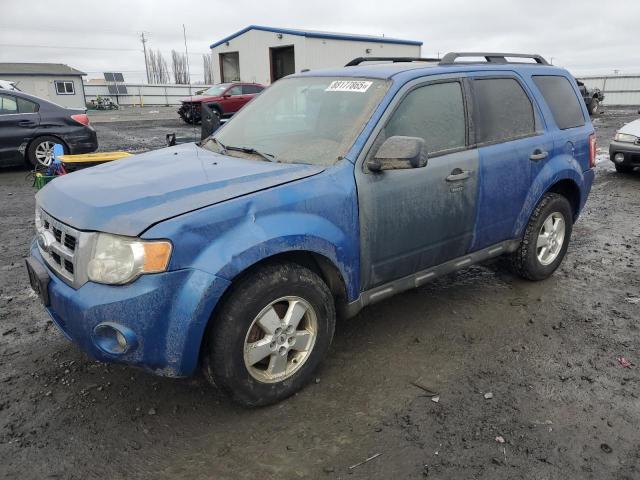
(315, 262)
(62, 142)
(570, 190)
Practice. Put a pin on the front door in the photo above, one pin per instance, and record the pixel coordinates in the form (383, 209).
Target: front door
(233, 99)
(417, 218)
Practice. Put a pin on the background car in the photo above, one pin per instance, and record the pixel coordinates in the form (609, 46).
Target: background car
(225, 98)
(31, 126)
(624, 150)
(592, 97)
(8, 85)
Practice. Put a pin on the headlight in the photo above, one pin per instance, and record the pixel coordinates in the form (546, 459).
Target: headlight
(625, 137)
(117, 260)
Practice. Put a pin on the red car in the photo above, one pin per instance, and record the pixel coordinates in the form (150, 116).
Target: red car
(226, 99)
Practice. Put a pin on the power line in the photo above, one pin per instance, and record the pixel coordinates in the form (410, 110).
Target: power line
(59, 47)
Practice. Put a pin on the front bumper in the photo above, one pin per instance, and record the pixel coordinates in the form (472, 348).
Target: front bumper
(168, 313)
(631, 152)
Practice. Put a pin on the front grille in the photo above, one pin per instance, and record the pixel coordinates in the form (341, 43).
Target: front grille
(60, 246)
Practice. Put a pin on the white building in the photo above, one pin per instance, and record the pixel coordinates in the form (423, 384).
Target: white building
(55, 82)
(265, 54)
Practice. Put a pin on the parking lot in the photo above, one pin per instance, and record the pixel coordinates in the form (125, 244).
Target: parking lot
(561, 406)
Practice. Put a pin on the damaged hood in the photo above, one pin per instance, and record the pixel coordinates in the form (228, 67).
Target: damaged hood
(632, 128)
(127, 196)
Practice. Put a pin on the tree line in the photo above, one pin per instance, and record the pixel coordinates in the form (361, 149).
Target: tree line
(159, 71)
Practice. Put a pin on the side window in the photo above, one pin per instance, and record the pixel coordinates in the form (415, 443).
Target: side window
(250, 89)
(27, 106)
(237, 90)
(8, 105)
(503, 110)
(433, 112)
(561, 99)
(64, 87)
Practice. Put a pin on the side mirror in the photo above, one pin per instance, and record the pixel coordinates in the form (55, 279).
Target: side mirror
(226, 95)
(399, 153)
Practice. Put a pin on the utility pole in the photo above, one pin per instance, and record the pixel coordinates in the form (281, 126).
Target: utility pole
(146, 61)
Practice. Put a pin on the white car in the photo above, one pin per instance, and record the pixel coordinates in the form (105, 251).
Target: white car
(8, 85)
(624, 150)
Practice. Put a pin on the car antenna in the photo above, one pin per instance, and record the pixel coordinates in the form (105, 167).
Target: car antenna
(186, 53)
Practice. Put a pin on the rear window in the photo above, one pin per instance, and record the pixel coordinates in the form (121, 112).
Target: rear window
(27, 106)
(561, 99)
(250, 89)
(503, 110)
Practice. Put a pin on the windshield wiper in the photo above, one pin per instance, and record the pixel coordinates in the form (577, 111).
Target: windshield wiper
(252, 151)
(220, 144)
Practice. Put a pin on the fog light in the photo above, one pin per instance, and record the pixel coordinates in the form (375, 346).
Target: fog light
(619, 157)
(114, 339)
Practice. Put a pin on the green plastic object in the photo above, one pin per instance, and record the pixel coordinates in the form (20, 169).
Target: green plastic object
(40, 180)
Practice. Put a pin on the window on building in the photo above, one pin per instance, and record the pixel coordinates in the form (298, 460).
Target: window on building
(561, 99)
(8, 105)
(503, 110)
(64, 87)
(27, 106)
(433, 112)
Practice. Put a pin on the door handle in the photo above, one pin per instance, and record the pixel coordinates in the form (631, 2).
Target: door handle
(538, 154)
(458, 174)
(26, 123)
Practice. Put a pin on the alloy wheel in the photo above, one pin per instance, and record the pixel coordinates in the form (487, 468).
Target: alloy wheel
(280, 339)
(550, 238)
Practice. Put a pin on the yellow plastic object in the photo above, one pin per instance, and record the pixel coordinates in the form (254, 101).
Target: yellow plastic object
(93, 157)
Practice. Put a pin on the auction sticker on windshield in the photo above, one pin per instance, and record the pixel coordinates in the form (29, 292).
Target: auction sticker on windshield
(348, 86)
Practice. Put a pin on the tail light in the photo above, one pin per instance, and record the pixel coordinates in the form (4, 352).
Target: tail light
(592, 150)
(81, 118)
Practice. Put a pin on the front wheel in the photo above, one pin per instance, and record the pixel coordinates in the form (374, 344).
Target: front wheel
(594, 106)
(545, 240)
(623, 168)
(270, 335)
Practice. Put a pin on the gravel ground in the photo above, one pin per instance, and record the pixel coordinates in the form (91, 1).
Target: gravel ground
(545, 352)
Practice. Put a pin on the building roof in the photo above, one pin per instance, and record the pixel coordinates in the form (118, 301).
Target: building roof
(318, 34)
(38, 69)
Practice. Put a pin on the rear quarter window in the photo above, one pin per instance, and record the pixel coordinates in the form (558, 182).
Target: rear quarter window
(503, 111)
(561, 100)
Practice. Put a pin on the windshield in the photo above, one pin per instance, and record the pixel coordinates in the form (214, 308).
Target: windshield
(303, 120)
(216, 90)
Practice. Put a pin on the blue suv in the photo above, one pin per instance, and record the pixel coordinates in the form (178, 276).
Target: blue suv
(331, 191)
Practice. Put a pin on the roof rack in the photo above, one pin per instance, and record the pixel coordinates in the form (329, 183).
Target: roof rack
(359, 60)
(491, 57)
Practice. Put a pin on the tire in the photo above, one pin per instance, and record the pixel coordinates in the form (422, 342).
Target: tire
(594, 106)
(529, 260)
(623, 168)
(40, 146)
(254, 376)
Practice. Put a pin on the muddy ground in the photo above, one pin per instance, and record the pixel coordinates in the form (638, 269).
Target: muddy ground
(547, 351)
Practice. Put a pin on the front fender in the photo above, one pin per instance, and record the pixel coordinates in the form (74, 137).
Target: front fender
(255, 239)
(558, 168)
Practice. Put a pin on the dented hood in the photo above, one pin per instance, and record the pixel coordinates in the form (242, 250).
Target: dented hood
(127, 196)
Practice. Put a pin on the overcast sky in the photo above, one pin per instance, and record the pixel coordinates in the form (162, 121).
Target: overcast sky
(96, 36)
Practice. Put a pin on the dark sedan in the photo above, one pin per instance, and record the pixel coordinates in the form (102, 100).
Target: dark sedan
(31, 126)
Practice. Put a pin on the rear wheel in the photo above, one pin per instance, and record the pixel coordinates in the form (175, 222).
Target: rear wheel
(40, 151)
(271, 334)
(545, 240)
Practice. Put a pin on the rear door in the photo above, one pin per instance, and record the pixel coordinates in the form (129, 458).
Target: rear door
(19, 120)
(413, 219)
(511, 138)
(571, 130)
